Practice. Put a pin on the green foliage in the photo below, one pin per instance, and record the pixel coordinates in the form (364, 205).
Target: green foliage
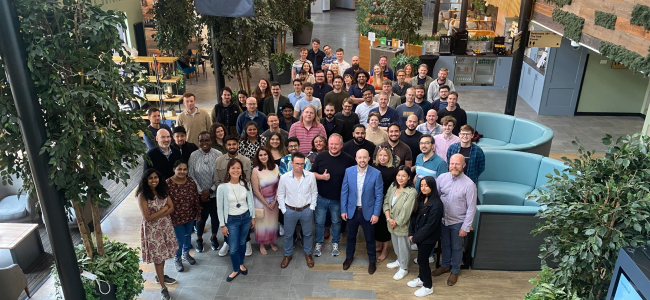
(572, 23)
(377, 21)
(401, 60)
(480, 6)
(281, 60)
(404, 17)
(559, 3)
(484, 38)
(601, 205)
(172, 17)
(604, 19)
(544, 290)
(641, 16)
(628, 58)
(70, 56)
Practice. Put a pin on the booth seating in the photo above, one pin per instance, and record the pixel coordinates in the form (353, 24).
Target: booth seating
(16, 207)
(505, 132)
(504, 218)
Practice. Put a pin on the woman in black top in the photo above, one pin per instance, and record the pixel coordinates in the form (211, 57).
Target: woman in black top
(424, 231)
(385, 164)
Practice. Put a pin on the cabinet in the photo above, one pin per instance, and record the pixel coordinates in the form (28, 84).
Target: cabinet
(502, 72)
(531, 86)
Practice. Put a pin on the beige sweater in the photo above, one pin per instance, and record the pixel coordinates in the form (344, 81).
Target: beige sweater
(201, 121)
(378, 137)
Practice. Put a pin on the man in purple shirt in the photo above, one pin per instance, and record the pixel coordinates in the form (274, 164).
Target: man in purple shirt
(458, 194)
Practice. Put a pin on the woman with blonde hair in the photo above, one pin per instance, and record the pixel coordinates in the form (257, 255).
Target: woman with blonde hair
(386, 165)
(408, 71)
(373, 133)
(377, 78)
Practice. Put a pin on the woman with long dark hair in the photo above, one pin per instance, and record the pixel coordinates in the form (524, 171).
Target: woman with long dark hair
(398, 207)
(251, 141)
(218, 133)
(318, 145)
(157, 234)
(276, 148)
(237, 214)
(265, 179)
(388, 168)
(241, 101)
(262, 91)
(424, 231)
(329, 77)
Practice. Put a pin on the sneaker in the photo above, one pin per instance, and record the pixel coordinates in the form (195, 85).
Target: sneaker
(249, 249)
(415, 282)
(431, 260)
(179, 264)
(318, 249)
(167, 279)
(414, 247)
(199, 246)
(164, 294)
(224, 249)
(214, 243)
(335, 249)
(400, 274)
(281, 230)
(423, 292)
(189, 259)
(393, 265)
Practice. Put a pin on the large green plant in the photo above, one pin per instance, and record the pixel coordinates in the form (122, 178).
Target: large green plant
(174, 24)
(601, 205)
(405, 17)
(70, 49)
(282, 60)
(403, 60)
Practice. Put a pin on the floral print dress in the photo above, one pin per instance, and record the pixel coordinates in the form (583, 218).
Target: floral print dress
(248, 148)
(157, 236)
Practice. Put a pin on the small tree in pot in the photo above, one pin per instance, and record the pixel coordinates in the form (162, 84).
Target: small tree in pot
(404, 17)
(281, 61)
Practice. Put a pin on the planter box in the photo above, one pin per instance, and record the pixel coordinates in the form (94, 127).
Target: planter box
(106, 288)
(303, 38)
(412, 50)
(431, 47)
(484, 46)
(285, 77)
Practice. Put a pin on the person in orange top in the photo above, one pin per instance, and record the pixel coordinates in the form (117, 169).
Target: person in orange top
(376, 79)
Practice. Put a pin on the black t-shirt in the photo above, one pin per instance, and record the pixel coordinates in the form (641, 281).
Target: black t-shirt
(458, 114)
(350, 147)
(335, 166)
(349, 121)
(413, 141)
(465, 152)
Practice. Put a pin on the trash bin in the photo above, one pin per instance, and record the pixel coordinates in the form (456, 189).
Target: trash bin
(378, 51)
(430, 61)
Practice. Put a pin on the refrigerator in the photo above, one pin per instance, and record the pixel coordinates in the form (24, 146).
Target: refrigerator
(475, 70)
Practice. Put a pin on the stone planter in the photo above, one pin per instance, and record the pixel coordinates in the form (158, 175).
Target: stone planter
(108, 289)
(285, 77)
(484, 46)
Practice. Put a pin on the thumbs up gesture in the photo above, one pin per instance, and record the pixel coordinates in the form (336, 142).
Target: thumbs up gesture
(326, 176)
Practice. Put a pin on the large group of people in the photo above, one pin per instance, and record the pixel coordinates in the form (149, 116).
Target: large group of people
(346, 149)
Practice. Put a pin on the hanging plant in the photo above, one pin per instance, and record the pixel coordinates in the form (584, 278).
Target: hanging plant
(572, 24)
(641, 16)
(604, 19)
(628, 58)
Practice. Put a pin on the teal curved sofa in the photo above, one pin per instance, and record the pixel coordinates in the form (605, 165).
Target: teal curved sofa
(504, 219)
(505, 132)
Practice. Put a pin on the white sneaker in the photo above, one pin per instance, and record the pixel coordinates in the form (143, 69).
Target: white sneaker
(249, 249)
(415, 282)
(400, 274)
(393, 265)
(281, 230)
(414, 247)
(224, 249)
(431, 260)
(423, 292)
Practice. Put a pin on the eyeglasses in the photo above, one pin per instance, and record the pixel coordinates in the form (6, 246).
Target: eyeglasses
(465, 134)
(425, 143)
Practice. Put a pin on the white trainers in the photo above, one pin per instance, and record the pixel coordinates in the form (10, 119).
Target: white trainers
(423, 292)
(224, 249)
(431, 260)
(281, 230)
(415, 282)
(400, 274)
(249, 249)
(414, 247)
(393, 265)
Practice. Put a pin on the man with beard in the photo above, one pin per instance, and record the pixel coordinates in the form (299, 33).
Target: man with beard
(226, 112)
(393, 99)
(359, 142)
(409, 108)
(154, 126)
(435, 85)
(348, 117)
(329, 168)
(419, 99)
(287, 117)
(387, 114)
(337, 95)
(163, 156)
(428, 163)
(422, 78)
(321, 88)
(364, 108)
(443, 93)
(315, 55)
(355, 68)
(401, 152)
(455, 111)
(410, 136)
(356, 90)
(473, 154)
(194, 119)
(181, 144)
(328, 59)
(274, 103)
(458, 194)
(400, 87)
(332, 125)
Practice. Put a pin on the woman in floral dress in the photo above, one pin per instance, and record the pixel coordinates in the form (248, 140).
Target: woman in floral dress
(157, 234)
(265, 180)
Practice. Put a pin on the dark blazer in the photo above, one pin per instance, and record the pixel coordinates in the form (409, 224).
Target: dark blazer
(427, 222)
(372, 195)
(339, 127)
(186, 150)
(268, 105)
(283, 123)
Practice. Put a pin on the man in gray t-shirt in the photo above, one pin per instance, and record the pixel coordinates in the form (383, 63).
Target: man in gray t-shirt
(409, 108)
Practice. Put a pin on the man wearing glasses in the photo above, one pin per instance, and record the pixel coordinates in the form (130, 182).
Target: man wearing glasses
(474, 158)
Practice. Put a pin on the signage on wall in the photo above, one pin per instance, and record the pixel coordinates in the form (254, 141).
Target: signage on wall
(516, 41)
(544, 39)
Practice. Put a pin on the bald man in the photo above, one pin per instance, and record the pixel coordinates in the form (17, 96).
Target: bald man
(163, 157)
(354, 69)
(361, 203)
(458, 194)
(431, 125)
(251, 114)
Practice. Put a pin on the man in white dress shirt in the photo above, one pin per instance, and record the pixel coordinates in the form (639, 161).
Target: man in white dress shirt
(297, 194)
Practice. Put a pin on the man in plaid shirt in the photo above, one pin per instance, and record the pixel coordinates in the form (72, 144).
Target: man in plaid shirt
(474, 158)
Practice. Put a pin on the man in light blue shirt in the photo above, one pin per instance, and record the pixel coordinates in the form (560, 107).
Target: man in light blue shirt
(297, 94)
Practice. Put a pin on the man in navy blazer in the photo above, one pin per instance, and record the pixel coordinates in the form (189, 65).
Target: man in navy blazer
(361, 203)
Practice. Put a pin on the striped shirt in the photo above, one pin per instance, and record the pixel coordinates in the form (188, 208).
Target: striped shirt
(201, 169)
(443, 143)
(305, 136)
(424, 128)
(458, 194)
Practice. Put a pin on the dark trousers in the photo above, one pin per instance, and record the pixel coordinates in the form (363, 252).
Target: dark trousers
(368, 232)
(424, 251)
(208, 208)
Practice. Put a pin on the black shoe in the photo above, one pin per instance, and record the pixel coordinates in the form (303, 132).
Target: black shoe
(179, 264)
(164, 294)
(167, 279)
(243, 272)
(214, 243)
(189, 259)
(229, 279)
(199, 246)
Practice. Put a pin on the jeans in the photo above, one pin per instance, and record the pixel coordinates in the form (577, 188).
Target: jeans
(368, 232)
(208, 208)
(238, 228)
(184, 237)
(452, 247)
(323, 206)
(423, 263)
(291, 218)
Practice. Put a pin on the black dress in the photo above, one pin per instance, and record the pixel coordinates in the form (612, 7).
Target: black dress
(381, 227)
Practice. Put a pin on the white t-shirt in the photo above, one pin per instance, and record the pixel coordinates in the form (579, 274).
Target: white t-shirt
(302, 103)
(363, 110)
(236, 195)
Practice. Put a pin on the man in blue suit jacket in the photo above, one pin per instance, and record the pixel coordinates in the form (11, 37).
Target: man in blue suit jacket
(361, 203)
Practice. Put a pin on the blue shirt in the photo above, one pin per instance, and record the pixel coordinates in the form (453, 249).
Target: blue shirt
(285, 164)
(152, 143)
(244, 118)
(329, 60)
(425, 105)
(355, 91)
(434, 166)
(476, 163)
(391, 116)
(294, 99)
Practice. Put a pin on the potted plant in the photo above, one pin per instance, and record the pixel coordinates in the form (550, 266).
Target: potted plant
(405, 18)
(400, 61)
(280, 65)
(588, 215)
(431, 44)
(482, 43)
(302, 32)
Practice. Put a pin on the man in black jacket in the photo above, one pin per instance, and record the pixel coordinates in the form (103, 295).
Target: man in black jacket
(331, 124)
(163, 157)
(181, 144)
(226, 112)
(315, 54)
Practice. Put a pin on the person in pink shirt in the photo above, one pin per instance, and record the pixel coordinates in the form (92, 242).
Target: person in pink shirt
(307, 128)
(446, 138)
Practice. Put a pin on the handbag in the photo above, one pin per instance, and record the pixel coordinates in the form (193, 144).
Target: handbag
(259, 213)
